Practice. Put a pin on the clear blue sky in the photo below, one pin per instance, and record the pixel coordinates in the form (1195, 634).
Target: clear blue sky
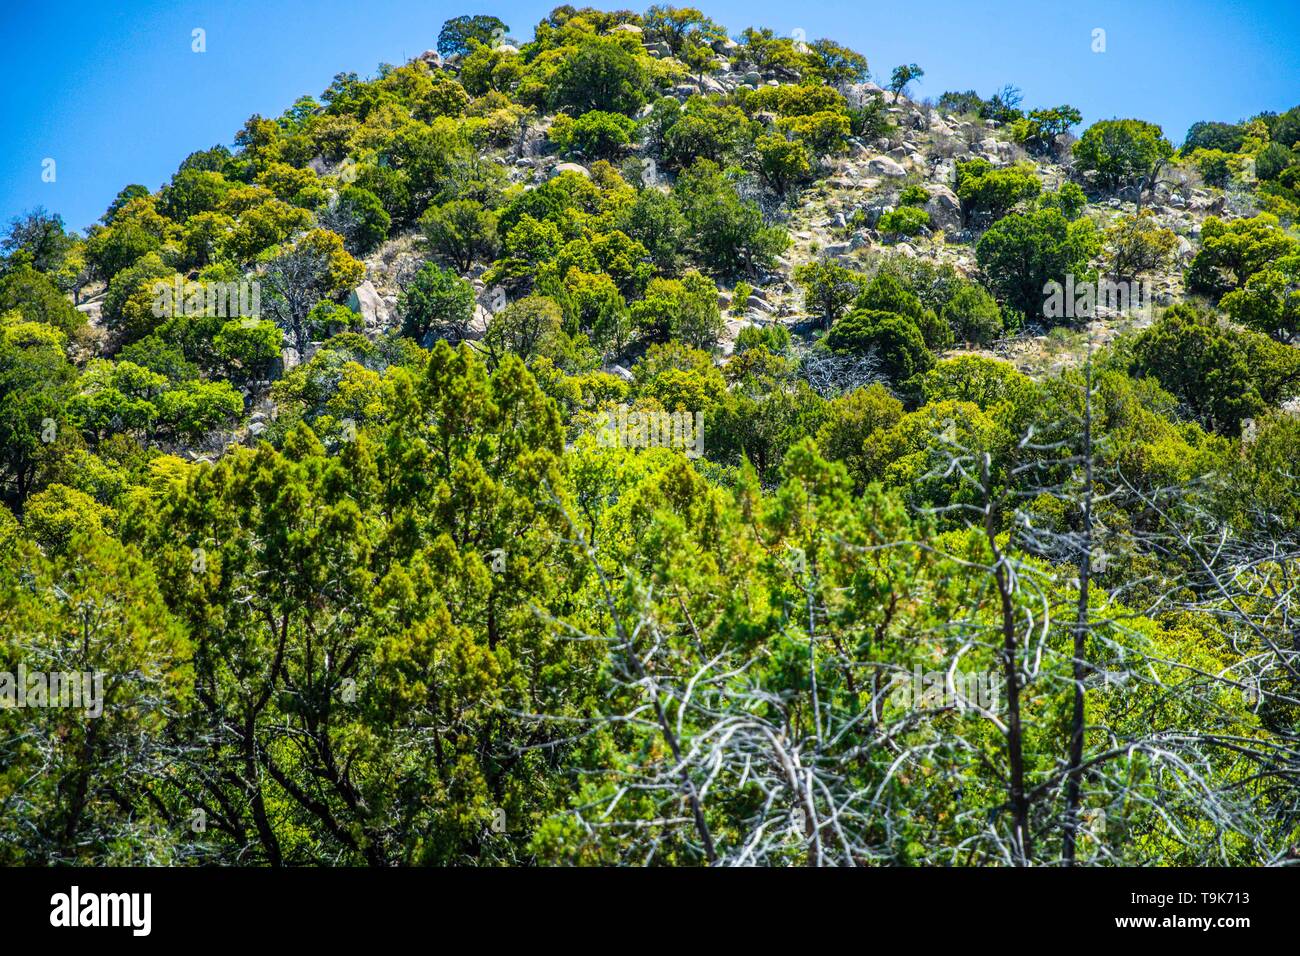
(113, 93)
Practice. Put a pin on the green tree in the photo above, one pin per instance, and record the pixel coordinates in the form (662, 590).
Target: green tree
(462, 230)
(457, 34)
(1123, 152)
(436, 301)
(1021, 254)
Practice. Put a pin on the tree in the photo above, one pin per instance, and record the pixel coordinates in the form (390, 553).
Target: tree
(685, 309)
(248, 347)
(902, 75)
(526, 328)
(457, 34)
(895, 338)
(1021, 254)
(462, 230)
(680, 27)
(313, 268)
(782, 162)
(1223, 376)
(600, 75)
(436, 301)
(838, 65)
(973, 315)
(39, 239)
(1233, 251)
(36, 296)
(1038, 131)
(1227, 137)
(359, 217)
(655, 220)
(1269, 302)
(1123, 152)
(829, 289)
(987, 193)
(728, 231)
(1137, 245)
(595, 134)
(35, 384)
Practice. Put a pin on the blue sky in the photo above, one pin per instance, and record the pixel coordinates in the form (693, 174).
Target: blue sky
(114, 94)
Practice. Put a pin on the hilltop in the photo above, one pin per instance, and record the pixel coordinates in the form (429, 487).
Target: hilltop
(640, 443)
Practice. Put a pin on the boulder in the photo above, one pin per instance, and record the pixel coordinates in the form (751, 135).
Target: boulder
(884, 166)
(478, 324)
(366, 300)
(571, 168)
(944, 208)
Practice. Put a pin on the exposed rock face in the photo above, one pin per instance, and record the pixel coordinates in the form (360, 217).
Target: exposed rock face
(366, 300)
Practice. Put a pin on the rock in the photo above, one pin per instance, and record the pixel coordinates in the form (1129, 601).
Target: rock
(1185, 248)
(884, 166)
(92, 309)
(658, 49)
(289, 358)
(508, 48)
(944, 208)
(627, 28)
(751, 78)
(433, 58)
(366, 300)
(571, 168)
(478, 324)
(620, 372)
(838, 249)
(256, 428)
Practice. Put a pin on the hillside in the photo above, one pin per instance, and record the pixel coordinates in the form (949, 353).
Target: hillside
(638, 443)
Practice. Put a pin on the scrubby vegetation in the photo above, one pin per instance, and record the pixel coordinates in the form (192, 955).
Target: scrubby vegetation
(311, 452)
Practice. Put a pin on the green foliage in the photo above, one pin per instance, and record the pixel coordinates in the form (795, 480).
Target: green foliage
(429, 588)
(1231, 252)
(727, 232)
(601, 74)
(594, 134)
(1137, 245)
(1021, 254)
(988, 193)
(462, 230)
(459, 33)
(904, 221)
(436, 301)
(895, 338)
(973, 315)
(1123, 152)
(902, 75)
(1222, 375)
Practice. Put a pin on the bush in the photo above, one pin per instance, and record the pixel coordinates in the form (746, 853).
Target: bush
(904, 221)
(895, 339)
